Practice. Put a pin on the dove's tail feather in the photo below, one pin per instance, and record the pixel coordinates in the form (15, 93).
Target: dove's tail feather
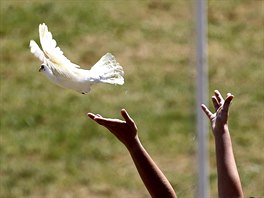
(108, 70)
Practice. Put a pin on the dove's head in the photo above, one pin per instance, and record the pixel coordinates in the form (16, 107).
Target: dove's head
(45, 69)
(42, 68)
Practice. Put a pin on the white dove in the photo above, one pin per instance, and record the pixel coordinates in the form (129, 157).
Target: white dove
(64, 73)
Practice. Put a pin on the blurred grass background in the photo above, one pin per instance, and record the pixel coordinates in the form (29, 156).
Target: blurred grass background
(48, 148)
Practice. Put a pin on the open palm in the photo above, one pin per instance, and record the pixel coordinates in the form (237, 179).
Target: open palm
(125, 131)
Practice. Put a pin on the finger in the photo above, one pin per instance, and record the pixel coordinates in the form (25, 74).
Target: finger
(206, 111)
(229, 94)
(127, 118)
(108, 121)
(100, 121)
(215, 102)
(227, 102)
(219, 97)
(91, 115)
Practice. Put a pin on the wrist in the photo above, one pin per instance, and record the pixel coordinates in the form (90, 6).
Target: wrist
(221, 129)
(133, 145)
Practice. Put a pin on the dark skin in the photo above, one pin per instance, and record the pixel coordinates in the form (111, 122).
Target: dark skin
(126, 132)
(229, 184)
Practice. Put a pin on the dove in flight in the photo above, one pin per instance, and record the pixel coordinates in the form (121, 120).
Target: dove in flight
(64, 73)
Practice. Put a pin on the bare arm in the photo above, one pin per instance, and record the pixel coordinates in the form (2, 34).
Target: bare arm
(229, 184)
(126, 131)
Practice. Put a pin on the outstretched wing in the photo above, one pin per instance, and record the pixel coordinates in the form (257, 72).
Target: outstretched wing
(50, 48)
(34, 48)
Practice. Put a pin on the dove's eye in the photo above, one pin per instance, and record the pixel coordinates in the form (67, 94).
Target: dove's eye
(42, 68)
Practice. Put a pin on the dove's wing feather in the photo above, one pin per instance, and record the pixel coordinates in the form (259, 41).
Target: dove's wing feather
(50, 48)
(34, 48)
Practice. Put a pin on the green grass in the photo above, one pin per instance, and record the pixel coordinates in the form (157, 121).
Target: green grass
(48, 148)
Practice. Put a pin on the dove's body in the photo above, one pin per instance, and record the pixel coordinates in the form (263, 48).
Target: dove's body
(76, 79)
(66, 74)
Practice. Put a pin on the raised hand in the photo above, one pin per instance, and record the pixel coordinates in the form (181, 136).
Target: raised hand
(229, 184)
(220, 117)
(125, 131)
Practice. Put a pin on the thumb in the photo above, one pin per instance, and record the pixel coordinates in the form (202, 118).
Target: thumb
(207, 112)
(127, 118)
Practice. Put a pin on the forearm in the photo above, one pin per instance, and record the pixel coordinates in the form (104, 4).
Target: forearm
(228, 179)
(154, 180)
